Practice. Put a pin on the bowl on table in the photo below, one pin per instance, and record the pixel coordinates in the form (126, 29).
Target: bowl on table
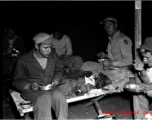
(25, 104)
(134, 88)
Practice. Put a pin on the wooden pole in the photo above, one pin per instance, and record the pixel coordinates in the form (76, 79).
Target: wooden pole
(138, 34)
(137, 41)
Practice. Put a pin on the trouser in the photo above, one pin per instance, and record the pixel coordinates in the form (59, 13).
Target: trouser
(73, 61)
(50, 99)
(96, 68)
(140, 103)
(119, 77)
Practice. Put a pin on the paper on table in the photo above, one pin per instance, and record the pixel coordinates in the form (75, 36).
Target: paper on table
(90, 80)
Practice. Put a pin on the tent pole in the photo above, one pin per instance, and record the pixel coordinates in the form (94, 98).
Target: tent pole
(138, 35)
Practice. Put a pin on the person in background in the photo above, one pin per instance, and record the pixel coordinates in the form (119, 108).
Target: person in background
(63, 47)
(10, 39)
(40, 67)
(13, 47)
(119, 50)
(140, 102)
(11, 43)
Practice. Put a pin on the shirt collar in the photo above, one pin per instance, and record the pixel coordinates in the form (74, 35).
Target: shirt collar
(111, 38)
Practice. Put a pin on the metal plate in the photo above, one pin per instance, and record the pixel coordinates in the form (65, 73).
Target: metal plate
(50, 86)
(134, 88)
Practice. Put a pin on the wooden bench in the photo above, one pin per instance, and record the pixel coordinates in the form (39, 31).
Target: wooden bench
(24, 113)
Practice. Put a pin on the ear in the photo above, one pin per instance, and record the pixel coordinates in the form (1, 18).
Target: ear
(36, 47)
(116, 25)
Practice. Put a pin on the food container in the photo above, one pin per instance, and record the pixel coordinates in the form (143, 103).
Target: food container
(134, 88)
(25, 104)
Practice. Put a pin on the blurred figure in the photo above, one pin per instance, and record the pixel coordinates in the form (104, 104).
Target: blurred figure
(144, 69)
(13, 47)
(11, 40)
(63, 47)
(40, 67)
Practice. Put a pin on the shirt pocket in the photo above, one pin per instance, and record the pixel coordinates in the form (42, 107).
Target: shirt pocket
(115, 50)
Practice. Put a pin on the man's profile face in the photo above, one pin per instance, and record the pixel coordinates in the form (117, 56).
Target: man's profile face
(45, 50)
(10, 34)
(57, 35)
(110, 27)
(147, 57)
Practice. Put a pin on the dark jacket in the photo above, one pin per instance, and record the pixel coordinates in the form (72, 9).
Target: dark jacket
(18, 44)
(28, 70)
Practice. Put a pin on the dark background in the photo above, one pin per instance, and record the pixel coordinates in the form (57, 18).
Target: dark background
(146, 19)
(81, 19)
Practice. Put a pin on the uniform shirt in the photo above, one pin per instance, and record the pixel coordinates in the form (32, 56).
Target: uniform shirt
(62, 46)
(120, 50)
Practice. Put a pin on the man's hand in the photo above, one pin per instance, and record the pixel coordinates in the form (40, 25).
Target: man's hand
(100, 60)
(139, 66)
(31, 86)
(149, 93)
(34, 86)
(55, 81)
(107, 63)
(9, 50)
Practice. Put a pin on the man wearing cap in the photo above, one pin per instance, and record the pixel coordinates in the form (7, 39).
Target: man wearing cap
(119, 50)
(63, 47)
(37, 68)
(119, 47)
(145, 74)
